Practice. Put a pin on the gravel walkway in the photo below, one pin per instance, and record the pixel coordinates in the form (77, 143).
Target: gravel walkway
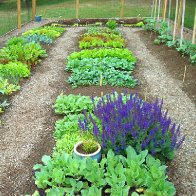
(160, 83)
(28, 123)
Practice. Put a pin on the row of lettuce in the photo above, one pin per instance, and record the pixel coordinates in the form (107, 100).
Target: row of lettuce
(164, 37)
(103, 55)
(20, 56)
(137, 137)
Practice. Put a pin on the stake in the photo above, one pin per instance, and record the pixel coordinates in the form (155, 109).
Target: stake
(164, 9)
(101, 82)
(152, 11)
(145, 97)
(182, 27)
(194, 29)
(155, 9)
(184, 74)
(175, 22)
(122, 8)
(169, 14)
(19, 13)
(33, 9)
(179, 15)
(77, 8)
(159, 8)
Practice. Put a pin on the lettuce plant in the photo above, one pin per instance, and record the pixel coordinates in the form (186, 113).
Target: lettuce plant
(14, 71)
(72, 104)
(29, 54)
(137, 123)
(101, 53)
(115, 174)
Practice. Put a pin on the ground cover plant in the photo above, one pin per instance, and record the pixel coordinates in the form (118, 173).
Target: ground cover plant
(164, 37)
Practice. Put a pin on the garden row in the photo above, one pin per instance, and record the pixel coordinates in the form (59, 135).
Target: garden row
(20, 56)
(105, 56)
(137, 138)
(185, 47)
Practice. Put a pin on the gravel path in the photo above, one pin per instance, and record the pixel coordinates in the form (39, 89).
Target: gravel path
(182, 171)
(28, 123)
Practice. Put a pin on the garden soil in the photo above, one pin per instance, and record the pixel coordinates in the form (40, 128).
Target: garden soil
(26, 133)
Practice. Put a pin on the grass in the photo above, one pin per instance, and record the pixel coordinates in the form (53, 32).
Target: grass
(88, 9)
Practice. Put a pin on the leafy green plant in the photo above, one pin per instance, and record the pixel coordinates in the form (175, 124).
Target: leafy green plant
(15, 41)
(157, 41)
(42, 39)
(68, 124)
(112, 24)
(96, 30)
(119, 174)
(13, 71)
(193, 59)
(89, 146)
(68, 139)
(115, 71)
(139, 24)
(69, 104)
(7, 88)
(29, 54)
(97, 42)
(150, 24)
(101, 53)
(103, 63)
(53, 34)
(186, 47)
(53, 28)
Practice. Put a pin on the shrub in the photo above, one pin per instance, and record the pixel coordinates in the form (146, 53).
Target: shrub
(137, 123)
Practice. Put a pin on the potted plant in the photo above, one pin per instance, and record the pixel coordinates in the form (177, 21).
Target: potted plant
(88, 148)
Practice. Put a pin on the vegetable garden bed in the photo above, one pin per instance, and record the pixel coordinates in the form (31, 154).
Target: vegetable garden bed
(153, 80)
